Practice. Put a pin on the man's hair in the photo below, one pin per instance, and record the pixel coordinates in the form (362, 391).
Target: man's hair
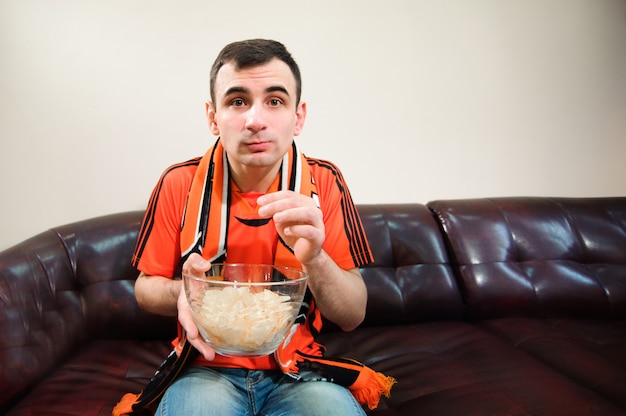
(249, 53)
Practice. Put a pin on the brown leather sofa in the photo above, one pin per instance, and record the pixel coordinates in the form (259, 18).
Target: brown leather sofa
(505, 306)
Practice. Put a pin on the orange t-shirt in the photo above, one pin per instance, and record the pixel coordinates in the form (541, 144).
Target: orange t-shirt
(250, 239)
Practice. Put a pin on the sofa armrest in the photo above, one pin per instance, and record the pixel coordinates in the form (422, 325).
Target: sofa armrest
(64, 287)
(100, 251)
(41, 317)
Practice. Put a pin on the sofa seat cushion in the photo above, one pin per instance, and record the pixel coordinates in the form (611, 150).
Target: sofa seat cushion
(94, 380)
(442, 367)
(591, 352)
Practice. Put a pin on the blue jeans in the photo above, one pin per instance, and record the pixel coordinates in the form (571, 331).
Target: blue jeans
(240, 392)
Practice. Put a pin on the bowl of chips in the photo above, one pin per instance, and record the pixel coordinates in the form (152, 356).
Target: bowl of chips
(245, 310)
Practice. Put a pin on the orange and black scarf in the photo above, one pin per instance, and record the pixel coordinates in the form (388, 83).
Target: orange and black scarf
(299, 355)
(208, 204)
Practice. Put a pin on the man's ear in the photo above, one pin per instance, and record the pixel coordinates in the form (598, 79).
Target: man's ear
(210, 118)
(300, 117)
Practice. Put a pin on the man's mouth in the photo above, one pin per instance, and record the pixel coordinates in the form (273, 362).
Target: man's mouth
(258, 146)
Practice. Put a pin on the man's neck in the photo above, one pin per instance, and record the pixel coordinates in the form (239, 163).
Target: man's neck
(256, 179)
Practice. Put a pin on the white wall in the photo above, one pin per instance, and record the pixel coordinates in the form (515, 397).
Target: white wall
(415, 100)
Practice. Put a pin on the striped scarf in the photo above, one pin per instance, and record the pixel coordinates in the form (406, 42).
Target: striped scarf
(208, 204)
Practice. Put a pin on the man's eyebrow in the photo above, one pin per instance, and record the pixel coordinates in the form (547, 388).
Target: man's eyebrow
(243, 90)
(278, 88)
(236, 90)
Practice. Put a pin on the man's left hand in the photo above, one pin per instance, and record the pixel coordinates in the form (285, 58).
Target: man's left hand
(298, 220)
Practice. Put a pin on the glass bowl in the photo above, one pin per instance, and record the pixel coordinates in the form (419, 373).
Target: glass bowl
(245, 310)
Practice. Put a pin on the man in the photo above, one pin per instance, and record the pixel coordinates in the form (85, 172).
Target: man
(306, 219)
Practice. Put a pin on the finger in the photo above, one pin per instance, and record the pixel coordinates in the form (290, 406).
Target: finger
(273, 203)
(193, 335)
(196, 265)
(306, 231)
(207, 352)
(299, 216)
(275, 196)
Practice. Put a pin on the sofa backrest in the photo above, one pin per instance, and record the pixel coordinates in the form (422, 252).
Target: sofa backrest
(544, 257)
(411, 279)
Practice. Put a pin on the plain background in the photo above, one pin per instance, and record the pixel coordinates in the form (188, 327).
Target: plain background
(415, 100)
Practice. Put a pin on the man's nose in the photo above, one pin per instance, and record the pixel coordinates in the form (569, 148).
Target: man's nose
(255, 118)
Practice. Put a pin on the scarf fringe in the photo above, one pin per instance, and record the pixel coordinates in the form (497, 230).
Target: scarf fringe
(125, 405)
(370, 386)
(366, 385)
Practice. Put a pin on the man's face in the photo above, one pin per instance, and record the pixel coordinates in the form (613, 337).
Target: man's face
(255, 114)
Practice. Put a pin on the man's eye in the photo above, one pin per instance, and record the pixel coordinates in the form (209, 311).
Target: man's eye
(237, 102)
(275, 102)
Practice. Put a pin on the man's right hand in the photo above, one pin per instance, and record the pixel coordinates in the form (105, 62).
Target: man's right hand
(196, 266)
